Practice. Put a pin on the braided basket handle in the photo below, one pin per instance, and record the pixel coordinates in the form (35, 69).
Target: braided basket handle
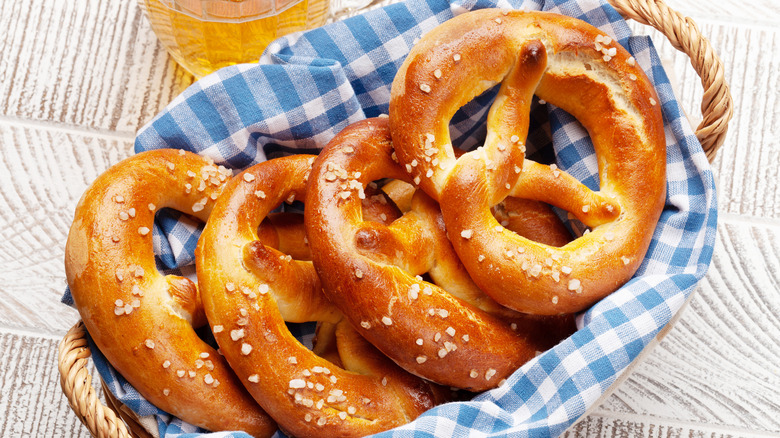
(682, 32)
(76, 383)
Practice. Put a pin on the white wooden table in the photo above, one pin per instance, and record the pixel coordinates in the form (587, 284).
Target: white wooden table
(78, 79)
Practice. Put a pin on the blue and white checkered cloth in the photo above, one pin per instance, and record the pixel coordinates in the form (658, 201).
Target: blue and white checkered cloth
(309, 86)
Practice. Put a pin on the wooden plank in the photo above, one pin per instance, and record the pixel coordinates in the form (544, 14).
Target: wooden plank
(31, 400)
(747, 168)
(758, 12)
(91, 63)
(634, 426)
(719, 365)
(45, 173)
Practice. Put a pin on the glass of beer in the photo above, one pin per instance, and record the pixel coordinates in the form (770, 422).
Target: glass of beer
(205, 35)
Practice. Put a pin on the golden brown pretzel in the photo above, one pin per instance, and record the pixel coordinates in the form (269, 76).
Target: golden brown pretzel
(581, 70)
(140, 319)
(249, 290)
(368, 270)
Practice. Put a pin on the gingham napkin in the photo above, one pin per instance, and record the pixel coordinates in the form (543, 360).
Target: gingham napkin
(309, 86)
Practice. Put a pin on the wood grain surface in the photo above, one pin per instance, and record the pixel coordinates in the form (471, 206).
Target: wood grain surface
(91, 63)
(31, 402)
(51, 168)
(78, 79)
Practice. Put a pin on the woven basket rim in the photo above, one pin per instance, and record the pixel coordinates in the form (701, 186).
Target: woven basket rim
(717, 109)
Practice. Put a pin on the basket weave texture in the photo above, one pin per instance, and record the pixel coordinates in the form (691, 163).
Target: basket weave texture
(115, 420)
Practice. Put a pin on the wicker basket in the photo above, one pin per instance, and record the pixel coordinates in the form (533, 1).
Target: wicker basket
(116, 420)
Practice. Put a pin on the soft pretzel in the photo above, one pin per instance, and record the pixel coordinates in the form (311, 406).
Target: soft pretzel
(369, 268)
(250, 289)
(141, 320)
(568, 63)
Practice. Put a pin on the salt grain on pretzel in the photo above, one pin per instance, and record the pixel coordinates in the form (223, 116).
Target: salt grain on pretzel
(574, 66)
(138, 317)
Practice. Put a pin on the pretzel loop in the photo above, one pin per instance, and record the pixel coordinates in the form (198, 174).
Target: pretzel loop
(518, 67)
(141, 320)
(585, 73)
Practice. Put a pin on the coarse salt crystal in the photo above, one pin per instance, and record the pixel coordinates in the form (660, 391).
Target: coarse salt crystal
(236, 334)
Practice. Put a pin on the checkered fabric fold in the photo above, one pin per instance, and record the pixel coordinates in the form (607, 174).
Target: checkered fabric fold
(309, 86)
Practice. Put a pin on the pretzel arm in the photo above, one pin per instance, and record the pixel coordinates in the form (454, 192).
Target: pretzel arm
(298, 292)
(285, 232)
(548, 184)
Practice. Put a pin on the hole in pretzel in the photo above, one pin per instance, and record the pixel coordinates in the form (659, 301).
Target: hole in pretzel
(468, 127)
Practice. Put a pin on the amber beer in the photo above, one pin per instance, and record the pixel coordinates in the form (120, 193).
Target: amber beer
(205, 35)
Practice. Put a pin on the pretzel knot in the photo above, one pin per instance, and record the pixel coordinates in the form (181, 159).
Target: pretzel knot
(141, 320)
(373, 272)
(574, 66)
(250, 289)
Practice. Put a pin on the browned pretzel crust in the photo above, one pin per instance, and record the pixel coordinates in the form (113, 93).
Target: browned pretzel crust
(140, 319)
(250, 289)
(372, 272)
(568, 63)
